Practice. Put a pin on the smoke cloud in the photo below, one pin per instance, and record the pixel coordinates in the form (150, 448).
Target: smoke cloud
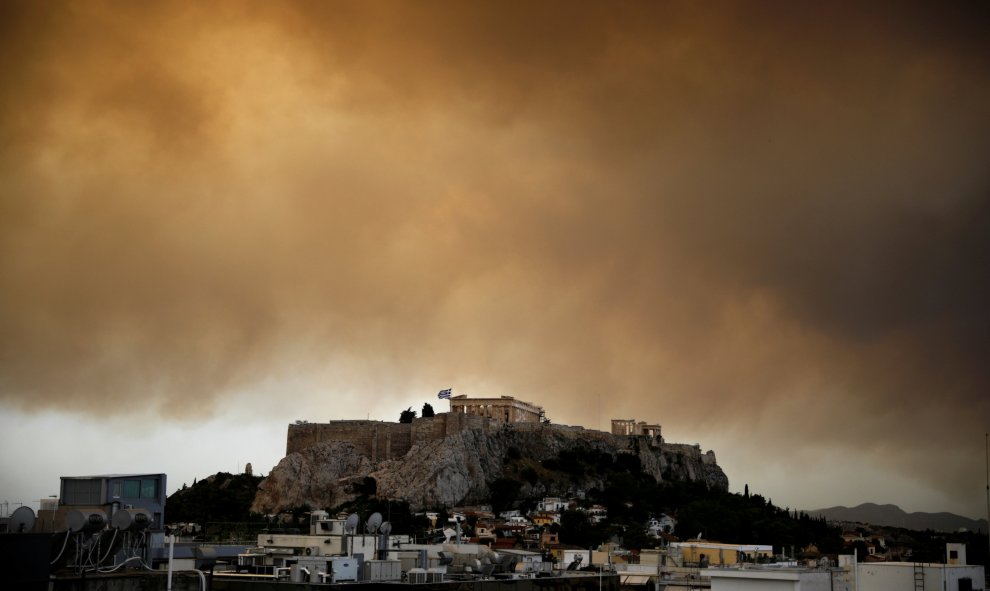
(762, 226)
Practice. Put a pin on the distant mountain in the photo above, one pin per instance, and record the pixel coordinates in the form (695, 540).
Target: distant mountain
(894, 516)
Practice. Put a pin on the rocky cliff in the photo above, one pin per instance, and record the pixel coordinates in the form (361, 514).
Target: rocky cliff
(458, 468)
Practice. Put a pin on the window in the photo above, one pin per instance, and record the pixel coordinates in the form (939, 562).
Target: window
(953, 554)
(116, 490)
(82, 491)
(132, 489)
(149, 488)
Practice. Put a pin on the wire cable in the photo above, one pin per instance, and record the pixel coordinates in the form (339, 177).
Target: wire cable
(64, 544)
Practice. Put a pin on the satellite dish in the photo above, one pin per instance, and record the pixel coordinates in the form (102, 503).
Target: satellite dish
(350, 526)
(386, 528)
(373, 522)
(21, 521)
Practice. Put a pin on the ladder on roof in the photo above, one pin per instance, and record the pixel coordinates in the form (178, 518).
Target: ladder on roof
(919, 576)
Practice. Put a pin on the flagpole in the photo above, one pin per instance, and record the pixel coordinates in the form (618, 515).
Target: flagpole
(447, 393)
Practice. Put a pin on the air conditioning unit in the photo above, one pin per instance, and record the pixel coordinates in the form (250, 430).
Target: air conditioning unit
(344, 568)
(436, 575)
(417, 576)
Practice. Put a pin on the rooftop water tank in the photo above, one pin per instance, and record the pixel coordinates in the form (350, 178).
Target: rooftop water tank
(85, 520)
(131, 519)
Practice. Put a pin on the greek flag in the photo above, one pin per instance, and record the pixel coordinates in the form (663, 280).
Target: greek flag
(444, 394)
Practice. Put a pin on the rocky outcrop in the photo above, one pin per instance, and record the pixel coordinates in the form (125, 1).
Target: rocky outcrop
(444, 473)
(678, 461)
(459, 468)
(323, 475)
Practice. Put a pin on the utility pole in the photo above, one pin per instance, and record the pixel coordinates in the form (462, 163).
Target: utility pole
(986, 443)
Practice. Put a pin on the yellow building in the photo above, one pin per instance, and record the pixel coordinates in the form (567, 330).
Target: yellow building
(715, 553)
(542, 519)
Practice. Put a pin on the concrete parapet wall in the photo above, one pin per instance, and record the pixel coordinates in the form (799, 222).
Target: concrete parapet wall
(150, 581)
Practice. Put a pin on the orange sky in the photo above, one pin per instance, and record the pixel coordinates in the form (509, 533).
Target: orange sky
(761, 225)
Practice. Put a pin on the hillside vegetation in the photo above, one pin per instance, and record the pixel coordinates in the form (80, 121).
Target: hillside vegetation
(631, 497)
(222, 497)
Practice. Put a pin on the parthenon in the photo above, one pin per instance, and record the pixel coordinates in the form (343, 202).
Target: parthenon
(504, 408)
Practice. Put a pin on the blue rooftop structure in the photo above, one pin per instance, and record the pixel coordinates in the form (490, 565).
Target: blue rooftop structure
(112, 491)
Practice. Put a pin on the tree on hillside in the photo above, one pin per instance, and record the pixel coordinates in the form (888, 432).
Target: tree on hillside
(428, 411)
(503, 492)
(407, 415)
(223, 497)
(576, 530)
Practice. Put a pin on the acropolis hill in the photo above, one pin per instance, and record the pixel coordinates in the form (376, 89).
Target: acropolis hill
(452, 458)
(381, 440)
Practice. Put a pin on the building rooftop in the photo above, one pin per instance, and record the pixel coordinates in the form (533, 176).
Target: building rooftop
(127, 475)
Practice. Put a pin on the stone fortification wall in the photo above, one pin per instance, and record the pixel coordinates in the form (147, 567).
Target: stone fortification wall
(572, 433)
(457, 422)
(377, 440)
(381, 440)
